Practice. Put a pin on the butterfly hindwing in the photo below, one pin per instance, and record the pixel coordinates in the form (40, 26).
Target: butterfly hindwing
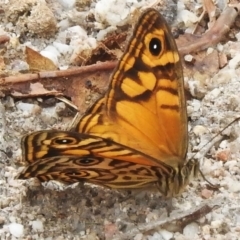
(72, 157)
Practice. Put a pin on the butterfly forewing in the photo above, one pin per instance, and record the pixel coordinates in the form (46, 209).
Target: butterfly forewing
(145, 104)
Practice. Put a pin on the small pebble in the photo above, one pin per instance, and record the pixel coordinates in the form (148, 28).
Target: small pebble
(16, 229)
(206, 193)
(166, 235)
(37, 226)
(189, 58)
(191, 230)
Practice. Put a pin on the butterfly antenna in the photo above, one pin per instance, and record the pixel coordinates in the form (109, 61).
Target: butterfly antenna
(215, 186)
(214, 137)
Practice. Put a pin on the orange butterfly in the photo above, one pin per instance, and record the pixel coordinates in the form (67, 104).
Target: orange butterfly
(136, 135)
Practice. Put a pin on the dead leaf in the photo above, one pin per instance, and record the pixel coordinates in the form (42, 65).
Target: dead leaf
(37, 62)
(34, 90)
(108, 49)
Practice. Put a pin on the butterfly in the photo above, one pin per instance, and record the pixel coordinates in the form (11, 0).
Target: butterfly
(136, 135)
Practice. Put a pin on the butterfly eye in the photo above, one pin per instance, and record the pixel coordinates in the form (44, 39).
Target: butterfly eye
(66, 140)
(155, 46)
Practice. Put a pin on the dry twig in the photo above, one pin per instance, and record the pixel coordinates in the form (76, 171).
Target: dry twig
(213, 35)
(177, 221)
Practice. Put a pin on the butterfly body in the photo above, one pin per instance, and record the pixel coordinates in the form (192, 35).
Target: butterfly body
(136, 135)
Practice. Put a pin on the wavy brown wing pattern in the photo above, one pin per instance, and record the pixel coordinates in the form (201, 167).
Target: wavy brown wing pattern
(72, 157)
(136, 135)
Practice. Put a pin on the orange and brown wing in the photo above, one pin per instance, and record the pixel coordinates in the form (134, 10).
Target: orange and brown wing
(145, 104)
(72, 157)
(134, 136)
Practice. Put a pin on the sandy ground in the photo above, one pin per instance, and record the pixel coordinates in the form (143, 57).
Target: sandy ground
(30, 210)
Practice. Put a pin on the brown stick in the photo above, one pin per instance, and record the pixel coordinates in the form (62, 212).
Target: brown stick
(180, 219)
(102, 66)
(215, 34)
